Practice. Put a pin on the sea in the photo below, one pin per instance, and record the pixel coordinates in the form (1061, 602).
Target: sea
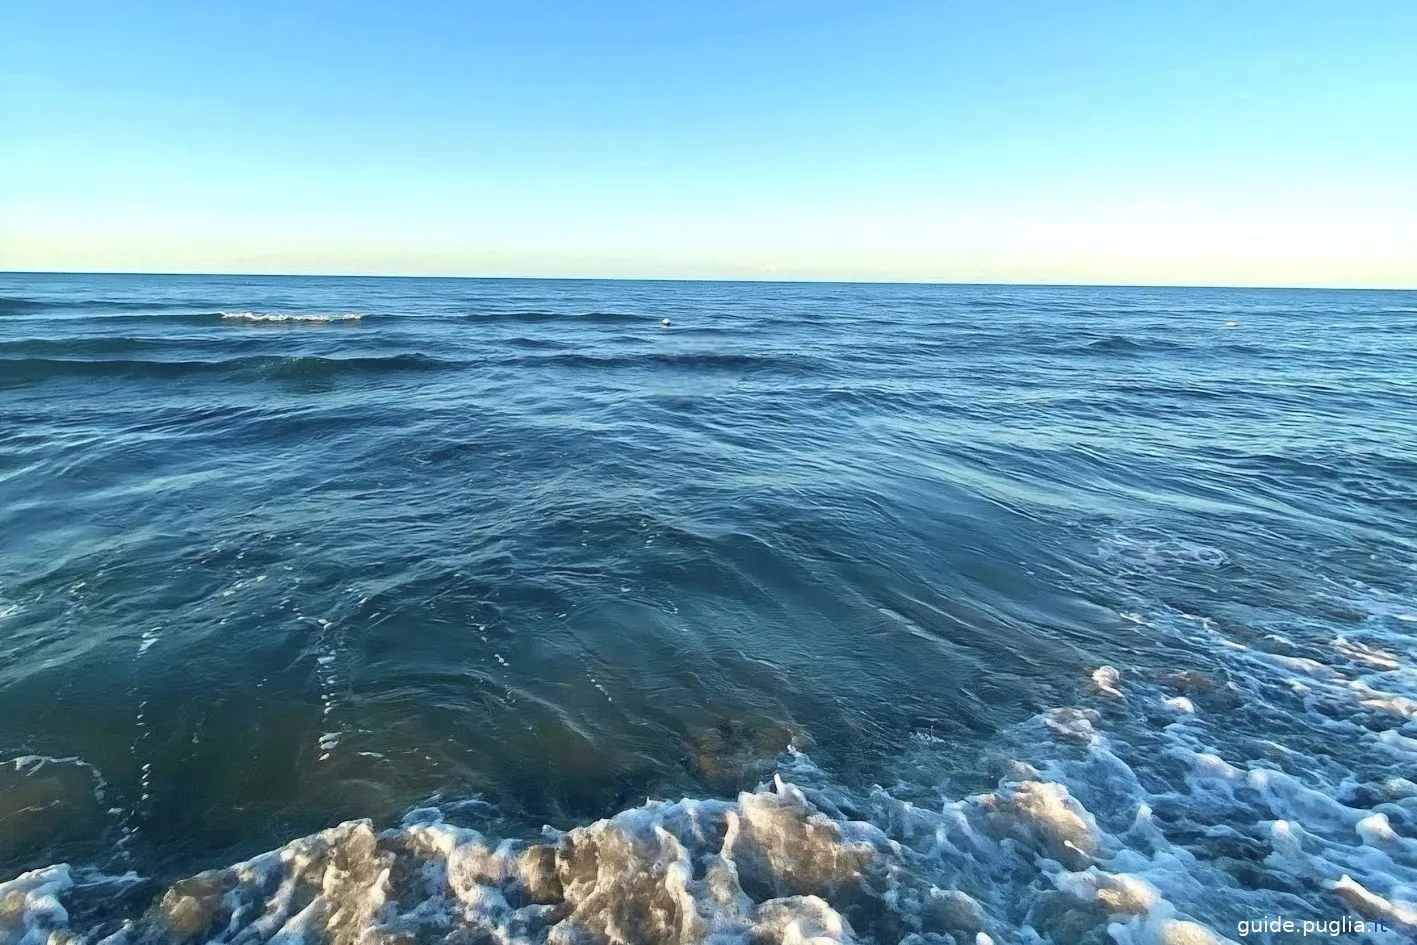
(392, 611)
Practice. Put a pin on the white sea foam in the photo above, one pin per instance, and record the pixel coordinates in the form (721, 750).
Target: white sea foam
(30, 905)
(1107, 680)
(1164, 808)
(318, 318)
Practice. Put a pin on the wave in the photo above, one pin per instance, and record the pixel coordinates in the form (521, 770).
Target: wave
(27, 362)
(1158, 553)
(81, 348)
(544, 344)
(1167, 805)
(175, 315)
(684, 361)
(12, 305)
(196, 313)
(535, 316)
(18, 306)
(1125, 344)
(37, 370)
(312, 318)
(15, 371)
(1117, 344)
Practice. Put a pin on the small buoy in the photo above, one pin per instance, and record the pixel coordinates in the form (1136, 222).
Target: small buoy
(665, 322)
(1232, 324)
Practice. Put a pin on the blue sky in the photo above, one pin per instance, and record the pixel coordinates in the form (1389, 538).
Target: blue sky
(1198, 142)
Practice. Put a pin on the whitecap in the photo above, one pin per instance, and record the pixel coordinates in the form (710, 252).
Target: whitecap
(1201, 799)
(320, 318)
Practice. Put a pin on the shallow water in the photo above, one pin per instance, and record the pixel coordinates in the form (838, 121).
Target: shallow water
(1042, 614)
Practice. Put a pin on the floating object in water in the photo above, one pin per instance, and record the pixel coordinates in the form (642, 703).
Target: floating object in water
(665, 322)
(1232, 324)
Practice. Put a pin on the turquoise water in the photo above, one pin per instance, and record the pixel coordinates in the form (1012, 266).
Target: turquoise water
(944, 605)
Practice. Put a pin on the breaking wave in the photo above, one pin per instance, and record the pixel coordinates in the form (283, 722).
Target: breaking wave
(117, 312)
(1161, 809)
(299, 318)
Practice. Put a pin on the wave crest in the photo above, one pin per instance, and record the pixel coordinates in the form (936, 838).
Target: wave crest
(537, 317)
(1134, 818)
(684, 361)
(309, 318)
(37, 370)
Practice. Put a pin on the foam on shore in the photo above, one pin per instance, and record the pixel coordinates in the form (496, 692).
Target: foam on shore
(1121, 819)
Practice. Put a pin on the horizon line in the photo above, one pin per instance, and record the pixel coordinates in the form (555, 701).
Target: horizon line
(765, 280)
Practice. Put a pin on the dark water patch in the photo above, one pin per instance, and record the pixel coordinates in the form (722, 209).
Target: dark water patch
(539, 317)
(872, 397)
(1243, 348)
(18, 306)
(10, 305)
(678, 361)
(1124, 344)
(537, 344)
(15, 372)
(81, 348)
(91, 347)
(311, 367)
(1176, 393)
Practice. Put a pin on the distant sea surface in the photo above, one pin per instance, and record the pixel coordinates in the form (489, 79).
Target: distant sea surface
(493, 610)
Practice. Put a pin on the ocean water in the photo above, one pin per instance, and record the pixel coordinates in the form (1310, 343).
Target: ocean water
(419, 610)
